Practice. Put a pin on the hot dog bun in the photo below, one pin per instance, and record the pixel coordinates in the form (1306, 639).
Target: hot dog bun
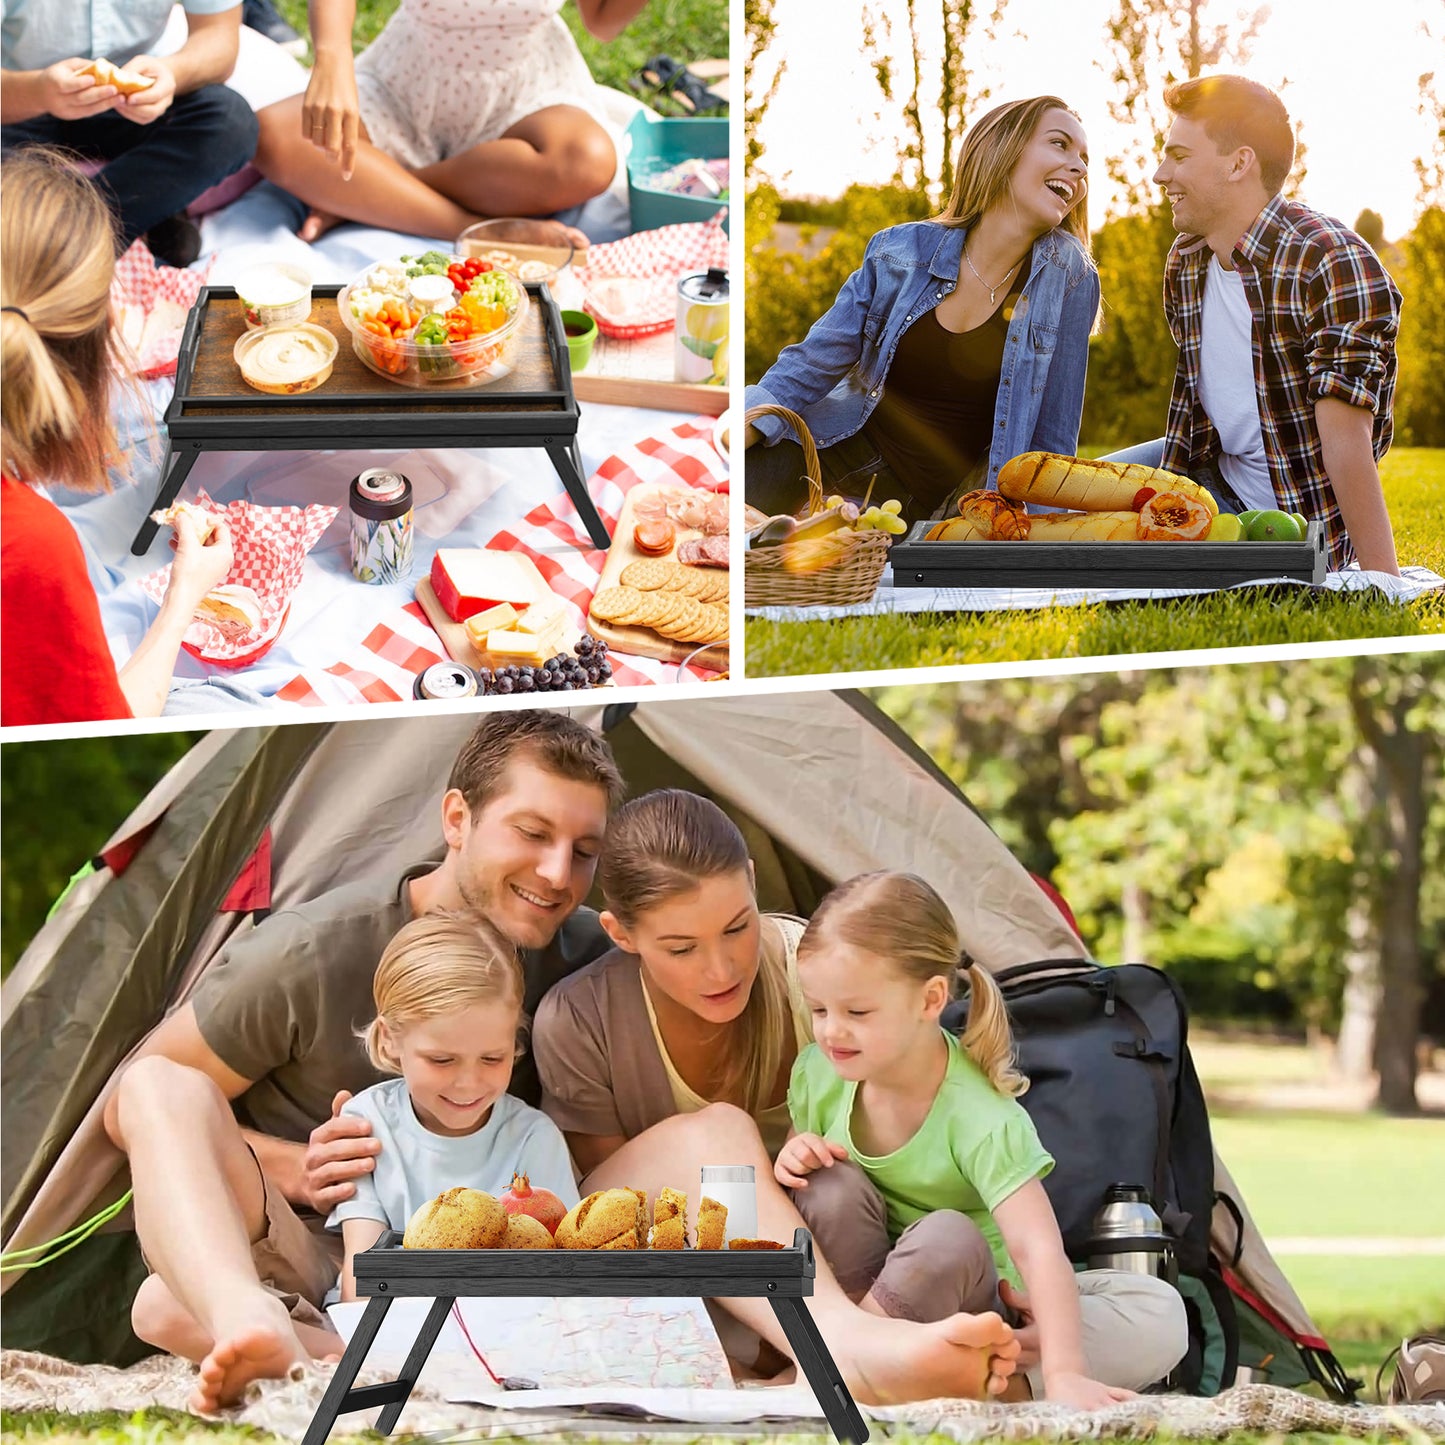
(1052, 480)
(128, 82)
(1085, 527)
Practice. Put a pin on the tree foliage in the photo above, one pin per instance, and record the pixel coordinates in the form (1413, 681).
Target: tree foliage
(758, 17)
(1245, 828)
(1420, 388)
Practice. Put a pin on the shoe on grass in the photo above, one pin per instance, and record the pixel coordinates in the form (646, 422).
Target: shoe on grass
(1419, 1371)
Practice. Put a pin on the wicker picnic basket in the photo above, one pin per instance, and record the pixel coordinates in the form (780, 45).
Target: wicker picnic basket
(838, 569)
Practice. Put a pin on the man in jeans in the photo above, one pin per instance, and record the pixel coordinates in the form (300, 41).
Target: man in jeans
(1286, 324)
(162, 146)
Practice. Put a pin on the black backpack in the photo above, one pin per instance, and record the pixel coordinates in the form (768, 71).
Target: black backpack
(1115, 1099)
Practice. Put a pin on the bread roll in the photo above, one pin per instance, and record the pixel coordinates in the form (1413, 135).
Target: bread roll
(669, 1221)
(457, 1219)
(955, 529)
(128, 82)
(712, 1219)
(997, 517)
(1052, 480)
(525, 1232)
(606, 1219)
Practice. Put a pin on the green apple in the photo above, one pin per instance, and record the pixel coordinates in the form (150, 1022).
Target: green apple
(1275, 527)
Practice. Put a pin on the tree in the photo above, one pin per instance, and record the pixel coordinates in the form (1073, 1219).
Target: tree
(1154, 44)
(1420, 391)
(758, 16)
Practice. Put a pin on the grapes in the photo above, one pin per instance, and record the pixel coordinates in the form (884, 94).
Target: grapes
(503, 686)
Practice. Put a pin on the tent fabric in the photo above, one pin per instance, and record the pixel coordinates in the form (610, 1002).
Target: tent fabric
(823, 785)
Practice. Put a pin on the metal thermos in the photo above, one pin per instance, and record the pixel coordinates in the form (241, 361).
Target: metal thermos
(1129, 1235)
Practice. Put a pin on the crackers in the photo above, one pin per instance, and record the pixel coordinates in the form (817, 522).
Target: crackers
(685, 604)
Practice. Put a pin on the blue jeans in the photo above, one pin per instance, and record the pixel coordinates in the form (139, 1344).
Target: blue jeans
(1151, 454)
(153, 171)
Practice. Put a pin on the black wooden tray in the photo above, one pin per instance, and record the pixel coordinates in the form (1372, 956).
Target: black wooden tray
(919, 563)
(386, 1272)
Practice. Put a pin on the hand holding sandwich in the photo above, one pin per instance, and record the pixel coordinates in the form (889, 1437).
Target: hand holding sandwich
(150, 103)
(68, 90)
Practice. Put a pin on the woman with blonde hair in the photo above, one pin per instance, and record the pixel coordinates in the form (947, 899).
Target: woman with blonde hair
(960, 342)
(674, 1051)
(918, 1170)
(60, 356)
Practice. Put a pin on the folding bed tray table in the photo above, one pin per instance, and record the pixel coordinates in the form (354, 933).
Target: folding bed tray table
(387, 1271)
(213, 409)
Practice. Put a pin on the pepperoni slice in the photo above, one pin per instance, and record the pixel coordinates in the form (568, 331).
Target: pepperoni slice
(654, 538)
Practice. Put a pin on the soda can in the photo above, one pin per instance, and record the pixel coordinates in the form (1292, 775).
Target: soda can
(444, 682)
(381, 540)
(700, 344)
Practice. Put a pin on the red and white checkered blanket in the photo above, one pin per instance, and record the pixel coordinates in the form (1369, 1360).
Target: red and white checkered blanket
(151, 302)
(382, 667)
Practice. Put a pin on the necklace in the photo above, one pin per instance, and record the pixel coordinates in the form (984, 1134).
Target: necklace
(992, 290)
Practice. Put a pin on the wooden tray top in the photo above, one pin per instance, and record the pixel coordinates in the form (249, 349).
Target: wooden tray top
(212, 376)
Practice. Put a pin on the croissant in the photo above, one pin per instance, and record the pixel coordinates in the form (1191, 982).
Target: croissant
(998, 518)
(1052, 480)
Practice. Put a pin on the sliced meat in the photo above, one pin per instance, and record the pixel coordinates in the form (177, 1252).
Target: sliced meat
(715, 550)
(651, 507)
(654, 538)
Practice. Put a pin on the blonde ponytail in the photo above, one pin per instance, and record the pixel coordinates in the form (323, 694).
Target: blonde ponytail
(988, 1038)
(901, 918)
(57, 258)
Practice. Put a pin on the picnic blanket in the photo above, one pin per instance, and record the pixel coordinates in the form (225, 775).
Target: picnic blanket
(1414, 582)
(285, 1408)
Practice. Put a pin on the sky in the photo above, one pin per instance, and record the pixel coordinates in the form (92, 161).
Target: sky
(1347, 71)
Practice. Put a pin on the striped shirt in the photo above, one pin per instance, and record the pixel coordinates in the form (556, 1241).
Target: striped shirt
(1325, 316)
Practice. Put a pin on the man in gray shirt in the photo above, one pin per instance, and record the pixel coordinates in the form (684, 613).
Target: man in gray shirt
(229, 1196)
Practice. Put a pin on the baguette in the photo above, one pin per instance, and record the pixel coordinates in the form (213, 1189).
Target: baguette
(1085, 527)
(955, 529)
(1051, 480)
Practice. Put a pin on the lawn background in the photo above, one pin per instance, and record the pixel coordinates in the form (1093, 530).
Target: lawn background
(1414, 483)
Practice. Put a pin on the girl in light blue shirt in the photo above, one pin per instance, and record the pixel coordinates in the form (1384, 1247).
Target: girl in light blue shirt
(448, 1023)
(959, 343)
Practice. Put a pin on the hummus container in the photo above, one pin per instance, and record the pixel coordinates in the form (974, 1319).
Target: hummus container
(274, 294)
(286, 359)
(475, 361)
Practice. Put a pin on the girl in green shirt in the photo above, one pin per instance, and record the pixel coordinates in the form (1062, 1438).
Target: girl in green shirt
(912, 1142)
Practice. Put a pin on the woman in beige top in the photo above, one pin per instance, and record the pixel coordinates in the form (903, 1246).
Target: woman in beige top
(674, 1051)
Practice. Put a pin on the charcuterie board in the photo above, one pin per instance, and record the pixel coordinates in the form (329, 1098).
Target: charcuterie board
(643, 641)
(920, 563)
(454, 635)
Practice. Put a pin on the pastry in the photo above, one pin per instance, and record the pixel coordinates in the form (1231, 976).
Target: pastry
(525, 1232)
(755, 1244)
(712, 1219)
(606, 1219)
(669, 1221)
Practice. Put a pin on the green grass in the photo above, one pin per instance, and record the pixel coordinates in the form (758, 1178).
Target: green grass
(1414, 480)
(687, 30)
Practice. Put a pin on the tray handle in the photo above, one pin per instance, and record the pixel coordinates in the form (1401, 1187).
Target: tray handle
(811, 464)
(389, 1240)
(803, 1242)
(190, 338)
(561, 357)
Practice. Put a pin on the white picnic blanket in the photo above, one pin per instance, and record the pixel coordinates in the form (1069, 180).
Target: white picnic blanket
(1415, 582)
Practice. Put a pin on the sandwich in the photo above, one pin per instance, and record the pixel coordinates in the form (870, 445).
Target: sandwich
(205, 522)
(457, 1219)
(233, 609)
(669, 1221)
(128, 82)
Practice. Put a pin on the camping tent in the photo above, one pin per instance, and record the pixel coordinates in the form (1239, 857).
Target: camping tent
(823, 785)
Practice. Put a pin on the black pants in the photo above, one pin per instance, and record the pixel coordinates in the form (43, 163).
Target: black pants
(777, 481)
(153, 171)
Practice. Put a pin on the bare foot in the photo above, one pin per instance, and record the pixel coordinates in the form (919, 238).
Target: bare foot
(962, 1357)
(255, 1353)
(317, 224)
(579, 239)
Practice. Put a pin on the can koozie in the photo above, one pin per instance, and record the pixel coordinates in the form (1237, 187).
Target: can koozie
(700, 346)
(381, 535)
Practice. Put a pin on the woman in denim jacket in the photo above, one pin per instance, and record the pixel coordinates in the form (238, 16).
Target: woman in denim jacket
(1004, 294)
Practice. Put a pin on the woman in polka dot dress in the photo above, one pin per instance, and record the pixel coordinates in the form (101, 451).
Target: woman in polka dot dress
(458, 110)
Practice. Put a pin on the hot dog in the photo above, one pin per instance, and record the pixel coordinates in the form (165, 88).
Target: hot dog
(1052, 480)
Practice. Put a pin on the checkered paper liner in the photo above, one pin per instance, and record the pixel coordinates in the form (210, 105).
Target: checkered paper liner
(382, 667)
(270, 546)
(631, 284)
(140, 281)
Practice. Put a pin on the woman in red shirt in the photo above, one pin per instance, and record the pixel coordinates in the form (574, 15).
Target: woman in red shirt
(57, 256)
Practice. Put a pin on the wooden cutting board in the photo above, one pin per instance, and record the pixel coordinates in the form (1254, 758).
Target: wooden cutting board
(640, 373)
(643, 641)
(454, 635)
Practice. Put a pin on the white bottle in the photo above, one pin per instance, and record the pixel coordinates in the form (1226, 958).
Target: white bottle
(733, 1185)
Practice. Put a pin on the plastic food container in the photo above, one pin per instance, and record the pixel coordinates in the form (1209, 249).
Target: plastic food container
(530, 250)
(473, 362)
(284, 360)
(274, 293)
(654, 145)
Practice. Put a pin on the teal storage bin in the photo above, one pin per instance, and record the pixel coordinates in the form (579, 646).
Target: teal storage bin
(654, 144)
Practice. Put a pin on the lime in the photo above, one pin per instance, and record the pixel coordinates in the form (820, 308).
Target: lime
(1304, 522)
(1274, 527)
(1226, 527)
(1245, 518)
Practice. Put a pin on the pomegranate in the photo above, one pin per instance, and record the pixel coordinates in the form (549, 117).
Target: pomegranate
(541, 1204)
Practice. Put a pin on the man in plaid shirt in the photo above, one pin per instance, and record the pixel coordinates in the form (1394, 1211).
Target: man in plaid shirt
(1286, 324)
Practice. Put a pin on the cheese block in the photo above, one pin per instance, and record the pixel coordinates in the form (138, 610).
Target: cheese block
(471, 580)
(479, 624)
(543, 615)
(522, 648)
